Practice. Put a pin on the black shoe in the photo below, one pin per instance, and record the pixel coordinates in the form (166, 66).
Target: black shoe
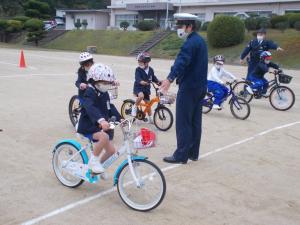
(193, 159)
(171, 159)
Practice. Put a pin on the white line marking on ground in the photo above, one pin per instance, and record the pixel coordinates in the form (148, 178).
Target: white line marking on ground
(103, 193)
(16, 65)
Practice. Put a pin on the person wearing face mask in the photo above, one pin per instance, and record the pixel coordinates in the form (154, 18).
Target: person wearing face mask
(255, 48)
(215, 83)
(190, 72)
(259, 83)
(144, 75)
(96, 112)
(81, 82)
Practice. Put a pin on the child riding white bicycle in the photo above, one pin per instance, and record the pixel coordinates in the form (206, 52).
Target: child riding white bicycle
(96, 111)
(215, 83)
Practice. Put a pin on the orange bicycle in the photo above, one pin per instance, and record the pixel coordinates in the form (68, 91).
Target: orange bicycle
(162, 117)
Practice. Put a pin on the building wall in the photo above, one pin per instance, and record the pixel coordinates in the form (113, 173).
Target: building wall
(209, 11)
(101, 21)
(96, 20)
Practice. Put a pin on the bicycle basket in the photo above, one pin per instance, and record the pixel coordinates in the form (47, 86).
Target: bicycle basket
(168, 98)
(285, 79)
(144, 139)
(113, 92)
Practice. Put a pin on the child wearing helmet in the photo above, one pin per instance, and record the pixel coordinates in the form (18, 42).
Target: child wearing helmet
(259, 83)
(81, 82)
(144, 75)
(96, 111)
(215, 81)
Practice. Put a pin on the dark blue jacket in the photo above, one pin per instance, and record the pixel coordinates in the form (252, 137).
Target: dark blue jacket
(141, 75)
(262, 68)
(255, 49)
(190, 66)
(81, 79)
(95, 105)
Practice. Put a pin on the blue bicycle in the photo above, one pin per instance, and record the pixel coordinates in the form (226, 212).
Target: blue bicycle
(140, 183)
(239, 107)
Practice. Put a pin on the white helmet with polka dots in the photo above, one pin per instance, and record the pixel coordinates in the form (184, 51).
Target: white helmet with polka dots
(84, 57)
(100, 72)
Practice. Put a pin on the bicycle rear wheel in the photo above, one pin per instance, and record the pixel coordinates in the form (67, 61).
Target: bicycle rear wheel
(126, 108)
(282, 98)
(150, 193)
(163, 118)
(60, 158)
(243, 90)
(239, 108)
(74, 109)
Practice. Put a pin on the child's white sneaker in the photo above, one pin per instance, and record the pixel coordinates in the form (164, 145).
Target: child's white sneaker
(265, 95)
(133, 110)
(95, 165)
(215, 106)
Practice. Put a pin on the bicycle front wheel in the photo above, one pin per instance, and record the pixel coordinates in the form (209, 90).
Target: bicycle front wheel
(74, 109)
(163, 118)
(282, 98)
(243, 90)
(151, 189)
(239, 108)
(207, 103)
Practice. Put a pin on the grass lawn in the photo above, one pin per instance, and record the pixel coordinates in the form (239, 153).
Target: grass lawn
(107, 42)
(289, 40)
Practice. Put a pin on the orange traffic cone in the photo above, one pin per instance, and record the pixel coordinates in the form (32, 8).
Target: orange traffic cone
(22, 60)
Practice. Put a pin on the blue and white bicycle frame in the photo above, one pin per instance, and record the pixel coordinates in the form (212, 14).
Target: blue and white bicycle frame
(83, 171)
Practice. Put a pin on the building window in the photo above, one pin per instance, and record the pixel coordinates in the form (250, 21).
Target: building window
(225, 13)
(131, 19)
(201, 16)
(260, 13)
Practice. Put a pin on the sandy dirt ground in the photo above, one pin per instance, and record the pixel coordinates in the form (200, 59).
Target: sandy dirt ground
(249, 173)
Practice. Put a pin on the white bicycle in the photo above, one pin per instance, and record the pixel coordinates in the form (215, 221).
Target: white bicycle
(140, 183)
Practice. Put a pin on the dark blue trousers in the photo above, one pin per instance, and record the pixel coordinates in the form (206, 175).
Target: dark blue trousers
(188, 123)
(251, 68)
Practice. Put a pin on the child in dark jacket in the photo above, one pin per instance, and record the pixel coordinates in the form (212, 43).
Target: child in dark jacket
(259, 83)
(144, 75)
(96, 112)
(81, 82)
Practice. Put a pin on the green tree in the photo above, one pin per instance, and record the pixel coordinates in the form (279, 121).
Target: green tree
(35, 30)
(77, 24)
(225, 31)
(124, 25)
(37, 9)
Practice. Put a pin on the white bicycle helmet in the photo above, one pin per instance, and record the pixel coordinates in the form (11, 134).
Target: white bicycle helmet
(220, 59)
(84, 56)
(101, 72)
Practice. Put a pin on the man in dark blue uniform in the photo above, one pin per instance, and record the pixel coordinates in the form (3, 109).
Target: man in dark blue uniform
(255, 48)
(190, 72)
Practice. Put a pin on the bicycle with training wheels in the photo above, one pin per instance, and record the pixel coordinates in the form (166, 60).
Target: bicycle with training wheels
(140, 183)
(162, 117)
(74, 107)
(280, 97)
(239, 107)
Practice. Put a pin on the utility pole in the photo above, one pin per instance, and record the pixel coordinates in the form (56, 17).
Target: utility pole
(167, 16)
(180, 6)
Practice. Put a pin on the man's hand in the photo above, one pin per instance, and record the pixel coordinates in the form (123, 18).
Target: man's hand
(104, 125)
(165, 85)
(242, 61)
(280, 49)
(82, 86)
